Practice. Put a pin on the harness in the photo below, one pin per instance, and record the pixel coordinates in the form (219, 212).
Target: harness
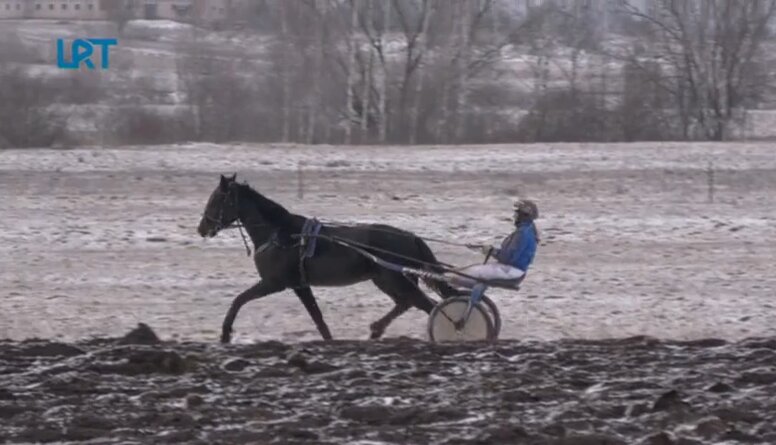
(273, 241)
(307, 242)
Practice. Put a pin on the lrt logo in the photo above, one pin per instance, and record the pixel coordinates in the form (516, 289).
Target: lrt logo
(81, 52)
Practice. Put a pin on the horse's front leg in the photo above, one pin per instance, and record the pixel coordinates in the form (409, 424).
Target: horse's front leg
(260, 289)
(306, 295)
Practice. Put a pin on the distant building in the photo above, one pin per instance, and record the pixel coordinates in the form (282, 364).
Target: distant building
(193, 11)
(190, 11)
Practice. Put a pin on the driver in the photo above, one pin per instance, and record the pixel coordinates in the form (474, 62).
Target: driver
(515, 255)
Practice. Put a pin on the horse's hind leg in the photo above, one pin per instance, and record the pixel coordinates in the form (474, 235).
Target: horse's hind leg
(405, 293)
(378, 328)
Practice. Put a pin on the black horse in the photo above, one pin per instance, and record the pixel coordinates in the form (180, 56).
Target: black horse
(276, 235)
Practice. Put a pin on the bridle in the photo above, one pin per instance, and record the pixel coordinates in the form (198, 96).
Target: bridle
(218, 222)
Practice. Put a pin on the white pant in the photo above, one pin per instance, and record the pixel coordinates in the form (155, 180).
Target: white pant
(492, 271)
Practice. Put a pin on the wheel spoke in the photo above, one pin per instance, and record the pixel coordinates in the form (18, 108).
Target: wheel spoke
(443, 319)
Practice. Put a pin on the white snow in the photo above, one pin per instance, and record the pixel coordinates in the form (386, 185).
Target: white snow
(93, 240)
(157, 25)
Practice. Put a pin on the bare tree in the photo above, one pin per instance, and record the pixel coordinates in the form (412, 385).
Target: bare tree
(192, 64)
(448, 55)
(352, 48)
(382, 44)
(422, 38)
(367, 70)
(711, 50)
(464, 28)
(223, 101)
(437, 71)
(641, 113)
(285, 51)
(317, 48)
(25, 117)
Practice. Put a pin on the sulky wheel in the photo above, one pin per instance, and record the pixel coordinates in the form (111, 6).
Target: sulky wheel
(443, 318)
(494, 314)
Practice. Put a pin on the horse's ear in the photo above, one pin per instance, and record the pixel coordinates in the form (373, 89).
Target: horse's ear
(234, 177)
(223, 183)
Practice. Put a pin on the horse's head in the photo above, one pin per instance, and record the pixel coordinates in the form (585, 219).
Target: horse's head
(221, 209)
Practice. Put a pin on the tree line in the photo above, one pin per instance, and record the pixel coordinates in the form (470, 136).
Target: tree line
(474, 71)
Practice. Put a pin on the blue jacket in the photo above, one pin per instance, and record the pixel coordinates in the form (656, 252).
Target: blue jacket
(519, 248)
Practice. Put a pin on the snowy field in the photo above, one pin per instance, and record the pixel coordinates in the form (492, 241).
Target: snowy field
(93, 241)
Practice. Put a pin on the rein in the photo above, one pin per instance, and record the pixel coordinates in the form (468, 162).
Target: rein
(245, 242)
(365, 249)
(352, 243)
(398, 233)
(237, 223)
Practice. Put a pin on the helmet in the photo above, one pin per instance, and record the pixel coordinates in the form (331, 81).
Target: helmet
(527, 208)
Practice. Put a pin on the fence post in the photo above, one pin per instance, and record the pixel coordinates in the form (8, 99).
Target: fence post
(710, 181)
(299, 180)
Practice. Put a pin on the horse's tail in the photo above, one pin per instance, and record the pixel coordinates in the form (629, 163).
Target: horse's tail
(443, 288)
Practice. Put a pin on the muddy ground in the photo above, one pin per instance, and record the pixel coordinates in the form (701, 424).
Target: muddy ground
(636, 390)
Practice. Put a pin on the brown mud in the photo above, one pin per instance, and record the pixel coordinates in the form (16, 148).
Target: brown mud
(140, 389)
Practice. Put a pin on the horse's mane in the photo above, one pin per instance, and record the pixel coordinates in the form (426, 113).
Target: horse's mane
(271, 211)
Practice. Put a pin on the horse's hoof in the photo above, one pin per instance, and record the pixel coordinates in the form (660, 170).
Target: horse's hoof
(225, 339)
